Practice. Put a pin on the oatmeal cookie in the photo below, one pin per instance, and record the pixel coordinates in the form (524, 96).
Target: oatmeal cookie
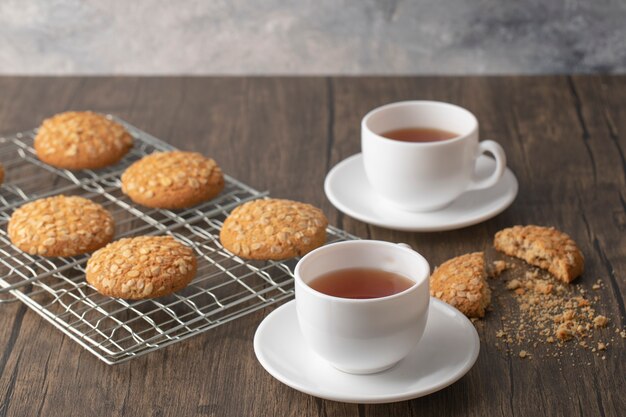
(461, 282)
(172, 180)
(544, 247)
(81, 140)
(273, 229)
(141, 267)
(60, 226)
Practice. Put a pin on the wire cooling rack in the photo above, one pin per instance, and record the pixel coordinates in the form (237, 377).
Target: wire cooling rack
(226, 287)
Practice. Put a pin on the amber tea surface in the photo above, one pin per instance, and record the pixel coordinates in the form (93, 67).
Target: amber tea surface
(361, 283)
(419, 134)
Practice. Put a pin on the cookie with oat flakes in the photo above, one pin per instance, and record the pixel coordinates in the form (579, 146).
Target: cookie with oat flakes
(461, 282)
(81, 140)
(172, 180)
(273, 229)
(60, 226)
(544, 247)
(141, 267)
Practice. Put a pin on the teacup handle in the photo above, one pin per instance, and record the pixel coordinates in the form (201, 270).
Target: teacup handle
(496, 150)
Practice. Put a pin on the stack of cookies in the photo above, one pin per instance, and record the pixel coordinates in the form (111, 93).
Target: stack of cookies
(146, 266)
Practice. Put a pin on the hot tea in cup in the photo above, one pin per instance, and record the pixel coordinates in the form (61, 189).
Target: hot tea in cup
(421, 155)
(362, 305)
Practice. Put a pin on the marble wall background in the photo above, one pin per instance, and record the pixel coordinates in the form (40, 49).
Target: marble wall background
(311, 37)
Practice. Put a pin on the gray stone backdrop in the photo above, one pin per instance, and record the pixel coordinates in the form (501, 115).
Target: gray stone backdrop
(311, 37)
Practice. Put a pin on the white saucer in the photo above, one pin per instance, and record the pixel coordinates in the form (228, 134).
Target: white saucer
(347, 188)
(448, 349)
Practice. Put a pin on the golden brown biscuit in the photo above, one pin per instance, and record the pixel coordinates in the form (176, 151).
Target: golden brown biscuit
(544, 247)
(141, 267)
(461, 282)
(273, 229)
(81, 140)
(60, 226)
(172, 180)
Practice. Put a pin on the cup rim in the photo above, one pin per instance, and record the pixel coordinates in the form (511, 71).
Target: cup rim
(455, 139)
(417, 283)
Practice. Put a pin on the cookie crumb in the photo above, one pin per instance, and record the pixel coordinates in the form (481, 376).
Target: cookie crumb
(563, 332)
(513, 284)
(532, 274)
(523, 354)
(498, 267)
(600, 321)
(543, 287)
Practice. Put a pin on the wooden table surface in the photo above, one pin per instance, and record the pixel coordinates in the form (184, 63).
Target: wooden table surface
(565, 137)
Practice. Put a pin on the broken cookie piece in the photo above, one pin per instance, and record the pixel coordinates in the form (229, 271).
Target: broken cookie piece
(544, 247)
(461, 282)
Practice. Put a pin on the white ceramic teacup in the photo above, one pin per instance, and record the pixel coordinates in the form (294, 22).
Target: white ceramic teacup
(362, 336)
(425, 176)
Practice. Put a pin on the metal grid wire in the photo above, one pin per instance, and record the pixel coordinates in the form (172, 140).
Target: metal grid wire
(115, 330)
